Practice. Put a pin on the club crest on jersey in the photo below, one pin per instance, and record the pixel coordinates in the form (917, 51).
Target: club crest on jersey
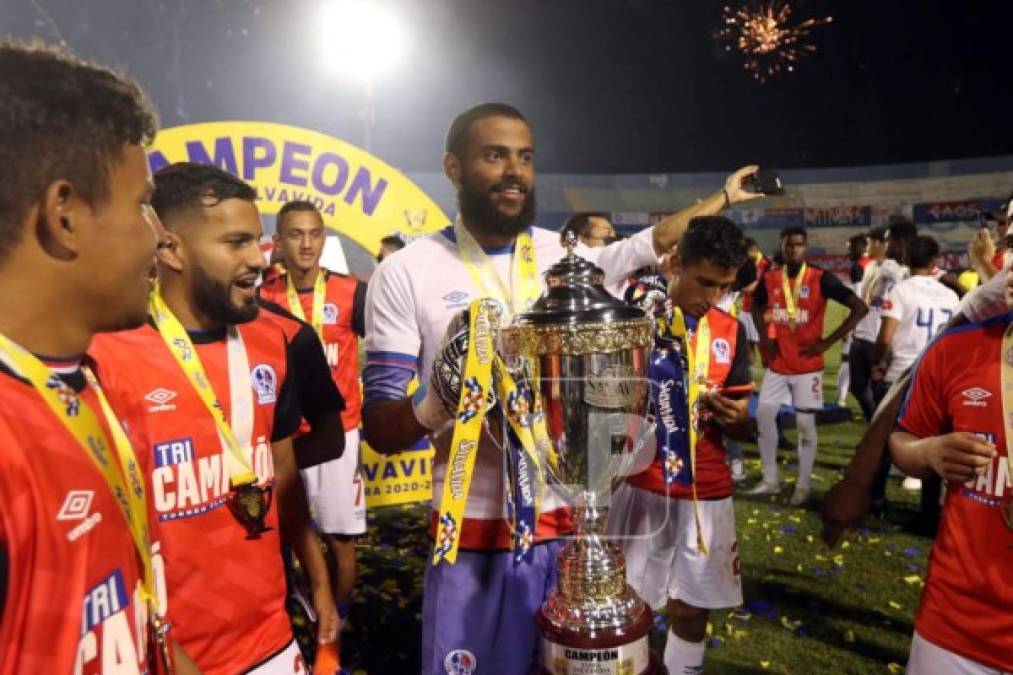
(265, 383)
(330, 313)
(722, 350)
(460, 662)
(803, 292)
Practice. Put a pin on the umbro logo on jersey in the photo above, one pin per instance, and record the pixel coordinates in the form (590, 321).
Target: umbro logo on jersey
(76, 506)
(160, 397)
(975, 396)
(455, 297)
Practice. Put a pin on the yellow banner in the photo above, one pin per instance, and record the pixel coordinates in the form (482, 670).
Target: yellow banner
(358, 194)
(403, 478)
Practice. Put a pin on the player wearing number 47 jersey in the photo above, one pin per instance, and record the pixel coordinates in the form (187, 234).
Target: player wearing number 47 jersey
(78, 566)
(208, 379)
(794, 299)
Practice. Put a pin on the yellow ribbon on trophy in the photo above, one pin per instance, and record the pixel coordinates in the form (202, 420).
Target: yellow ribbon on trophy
(698, 359)
(182, 349)
(83, 424)
(792, 295)
(471, 409)
(319, 292)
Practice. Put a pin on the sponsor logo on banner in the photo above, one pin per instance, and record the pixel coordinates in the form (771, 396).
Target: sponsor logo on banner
(160, 397)
(265, 383)
(975, 397)
(357, 194)
(404, 478)
(838, 216)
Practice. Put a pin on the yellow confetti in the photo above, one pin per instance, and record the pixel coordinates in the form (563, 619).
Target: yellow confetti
(756, 512)
(750, 521)
(795, 519)
(839, 559)
(845, 544)
(912, 579)
(849, 636)
(710, 629)
(739, 634)
(809, 538)
(895, 605)
(778, 550)
(789, 624)
(798, 567)
(765, 664)
(895, 668)
(729, 628)
(821, 558)
(873, 540)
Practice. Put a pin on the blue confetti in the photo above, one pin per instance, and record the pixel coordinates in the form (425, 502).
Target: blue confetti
(758, 606)
(789, 529)
(912, 552)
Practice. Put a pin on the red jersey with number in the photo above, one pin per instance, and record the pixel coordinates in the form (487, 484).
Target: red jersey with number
(71, 600)
(812, 306)
(343, 299)
(728, 366)
(967, 603)
(747, 296)
(226, 593)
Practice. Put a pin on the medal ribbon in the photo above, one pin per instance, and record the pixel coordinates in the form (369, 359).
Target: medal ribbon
(471, 409)
(295, 306)
(791, 296)
(237, 458)
(524, 286)
(1006, 380)
(125, 481)
(698, 349)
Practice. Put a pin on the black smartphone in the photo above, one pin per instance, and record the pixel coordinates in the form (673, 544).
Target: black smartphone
(766, 182)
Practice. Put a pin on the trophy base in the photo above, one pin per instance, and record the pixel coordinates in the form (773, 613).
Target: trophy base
(610, 652)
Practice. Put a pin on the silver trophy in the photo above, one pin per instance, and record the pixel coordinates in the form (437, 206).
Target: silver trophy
(586, 355)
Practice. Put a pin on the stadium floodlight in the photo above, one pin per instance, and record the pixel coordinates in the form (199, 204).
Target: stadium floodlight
(361, 38)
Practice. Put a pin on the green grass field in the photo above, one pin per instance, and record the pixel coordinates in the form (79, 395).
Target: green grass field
(808, 610)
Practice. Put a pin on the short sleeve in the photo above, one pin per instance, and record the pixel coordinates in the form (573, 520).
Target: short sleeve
(287, 415)
(392, 332)
(622, 258)
(893, 303)
(924, 410)
(833, 288)
(315, 388)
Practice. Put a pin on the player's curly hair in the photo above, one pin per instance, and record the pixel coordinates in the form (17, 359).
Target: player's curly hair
(457, 135)
(61, 117)
(185, 187)
(715, 239)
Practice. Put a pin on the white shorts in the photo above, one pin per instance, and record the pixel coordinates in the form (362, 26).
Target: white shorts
(928, 658)
(658, 538)
(804, 392)
(288, 661)
(747, 322)
(335, 491)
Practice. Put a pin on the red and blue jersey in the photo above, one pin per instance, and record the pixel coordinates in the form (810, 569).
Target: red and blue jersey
(967, 603)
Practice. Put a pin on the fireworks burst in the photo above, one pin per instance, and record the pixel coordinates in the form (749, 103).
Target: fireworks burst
(764, 34)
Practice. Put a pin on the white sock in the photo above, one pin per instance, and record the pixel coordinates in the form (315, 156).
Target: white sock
(766, 424)
(683, 658)
(806, 423)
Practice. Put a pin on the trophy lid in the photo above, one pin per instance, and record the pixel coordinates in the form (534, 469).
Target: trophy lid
(575, 295)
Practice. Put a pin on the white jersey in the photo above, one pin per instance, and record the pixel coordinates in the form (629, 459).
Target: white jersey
(922, 305)
(877, 279)
(412, 297)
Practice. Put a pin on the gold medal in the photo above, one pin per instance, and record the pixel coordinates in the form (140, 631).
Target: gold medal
(249, 504)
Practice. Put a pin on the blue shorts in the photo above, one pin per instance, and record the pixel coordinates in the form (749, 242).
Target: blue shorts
(478, 616)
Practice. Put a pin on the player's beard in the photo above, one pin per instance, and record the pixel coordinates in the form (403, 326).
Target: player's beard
(479, 210)
(213, 299)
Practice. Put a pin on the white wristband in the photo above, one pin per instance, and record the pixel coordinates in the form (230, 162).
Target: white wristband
(428, 408)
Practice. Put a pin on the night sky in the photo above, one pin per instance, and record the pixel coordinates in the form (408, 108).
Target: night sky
(610, 86)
